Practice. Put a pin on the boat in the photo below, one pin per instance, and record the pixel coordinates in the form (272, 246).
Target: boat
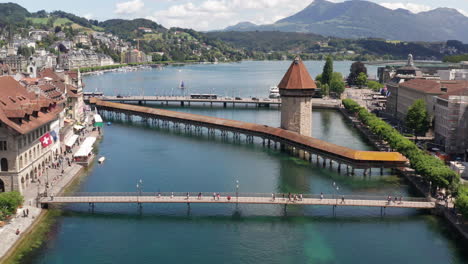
(274, 92)
(182, 85)
(101, 160)
(109, 123)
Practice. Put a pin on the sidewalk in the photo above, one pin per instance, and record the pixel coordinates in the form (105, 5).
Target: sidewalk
(57, 182)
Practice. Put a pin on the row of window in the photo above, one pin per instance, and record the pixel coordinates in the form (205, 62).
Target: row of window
(30, 156)
(26, 140)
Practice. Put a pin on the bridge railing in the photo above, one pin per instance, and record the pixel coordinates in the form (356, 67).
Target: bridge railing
(259, 195)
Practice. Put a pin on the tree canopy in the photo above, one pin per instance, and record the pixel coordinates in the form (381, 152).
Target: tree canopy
(356, 68)
(361, 80)
(417, 117)
(327, 73)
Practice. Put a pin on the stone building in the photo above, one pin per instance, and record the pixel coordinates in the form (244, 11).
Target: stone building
(451, 122)
(29, 125)
(401, 75)
(412, 90)
(296, 90)
(134, 56)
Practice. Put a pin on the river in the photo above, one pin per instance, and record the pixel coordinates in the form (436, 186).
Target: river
(167, 161)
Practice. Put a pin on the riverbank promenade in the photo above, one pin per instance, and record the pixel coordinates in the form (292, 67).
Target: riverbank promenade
(232, 198)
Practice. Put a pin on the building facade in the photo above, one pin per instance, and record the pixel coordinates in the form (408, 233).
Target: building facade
(451, 123)
(29, 125)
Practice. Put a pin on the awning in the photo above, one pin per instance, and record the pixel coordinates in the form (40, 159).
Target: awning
(98, 121)
(78, 127)
(71, 140)
(86, 147)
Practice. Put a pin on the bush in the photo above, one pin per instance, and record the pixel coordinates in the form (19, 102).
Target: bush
(375, 86)
(9, 202)
(461, 202)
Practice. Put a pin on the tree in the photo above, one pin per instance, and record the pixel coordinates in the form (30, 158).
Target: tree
(356, 68)
(361, 79)
(417, 117)
(337, 85)
(374, 86)
(57, 29)
(325, 90)
(327, 71)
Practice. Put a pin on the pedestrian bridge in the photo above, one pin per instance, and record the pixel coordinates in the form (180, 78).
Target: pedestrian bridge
(308, 146)
(233, 198)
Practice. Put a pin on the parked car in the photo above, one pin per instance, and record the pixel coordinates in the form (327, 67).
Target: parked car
(238, 98)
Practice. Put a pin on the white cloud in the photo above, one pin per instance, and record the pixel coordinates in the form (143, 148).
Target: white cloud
(217, 14)
(88, 16)
(463, 12)
(130, 7)
(415, 8)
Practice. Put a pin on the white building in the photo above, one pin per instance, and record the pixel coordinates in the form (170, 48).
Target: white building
(453, 74)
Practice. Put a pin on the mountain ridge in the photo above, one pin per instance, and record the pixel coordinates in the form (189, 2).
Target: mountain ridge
(364, 19)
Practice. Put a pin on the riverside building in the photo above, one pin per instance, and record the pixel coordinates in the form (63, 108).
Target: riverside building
(29, 125)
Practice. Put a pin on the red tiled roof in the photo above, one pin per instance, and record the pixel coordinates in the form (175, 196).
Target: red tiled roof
(16, 102)
(297, 77)
(433, 86)
(454, 92)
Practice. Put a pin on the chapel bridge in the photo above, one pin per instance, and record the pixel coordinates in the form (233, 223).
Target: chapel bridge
(238, 198)
(307, 147)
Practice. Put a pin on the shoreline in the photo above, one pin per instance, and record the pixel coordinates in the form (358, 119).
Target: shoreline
(16, 248)
(416, 181)
(35, 227)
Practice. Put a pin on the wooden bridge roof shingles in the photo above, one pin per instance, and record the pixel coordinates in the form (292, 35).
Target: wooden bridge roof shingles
(347, 153)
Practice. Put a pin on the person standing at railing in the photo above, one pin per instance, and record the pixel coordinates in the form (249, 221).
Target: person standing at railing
(321, 196)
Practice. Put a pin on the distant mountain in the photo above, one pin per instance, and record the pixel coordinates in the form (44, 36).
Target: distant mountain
(363, 19)
(242, 26)
(11, 13)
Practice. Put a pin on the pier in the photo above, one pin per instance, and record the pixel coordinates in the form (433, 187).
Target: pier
(218, 101)
(233, 198)
(321, 152)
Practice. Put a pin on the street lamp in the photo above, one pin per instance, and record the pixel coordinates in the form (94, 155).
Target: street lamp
(335, 191)
(237, 190)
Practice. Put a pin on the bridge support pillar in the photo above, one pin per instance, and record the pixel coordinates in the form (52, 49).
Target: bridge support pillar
(366, 172)
(331, 164)
(381, 171)
(352, 171)
(339, 168)
(182, 103)
(224, 104)
(324, 164)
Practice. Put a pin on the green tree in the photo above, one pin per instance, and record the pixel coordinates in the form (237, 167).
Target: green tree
(325, 89)
(327, 71)
(356, 68)
(375, 86)
(361, 79)
(337, 86)
(417, 117)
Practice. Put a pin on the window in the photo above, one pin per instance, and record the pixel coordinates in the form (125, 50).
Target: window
(3, 145)
(4, 164)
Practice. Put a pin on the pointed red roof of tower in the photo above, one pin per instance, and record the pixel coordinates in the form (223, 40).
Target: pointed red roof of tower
(297, 77)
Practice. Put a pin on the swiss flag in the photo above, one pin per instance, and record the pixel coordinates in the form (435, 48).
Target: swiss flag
(46, 140)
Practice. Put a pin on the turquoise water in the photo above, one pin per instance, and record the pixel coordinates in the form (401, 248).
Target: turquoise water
(167, 161)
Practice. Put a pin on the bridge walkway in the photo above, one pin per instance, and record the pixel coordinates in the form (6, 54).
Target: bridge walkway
(328, 200)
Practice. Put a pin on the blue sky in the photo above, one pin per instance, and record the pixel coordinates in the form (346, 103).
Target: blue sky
(210, 14)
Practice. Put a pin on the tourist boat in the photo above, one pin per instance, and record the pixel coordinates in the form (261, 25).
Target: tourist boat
(274, 92)
(101, 160)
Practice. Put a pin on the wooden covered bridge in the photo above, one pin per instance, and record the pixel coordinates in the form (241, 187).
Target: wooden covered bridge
(310, 148)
